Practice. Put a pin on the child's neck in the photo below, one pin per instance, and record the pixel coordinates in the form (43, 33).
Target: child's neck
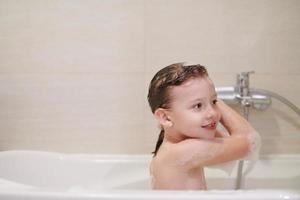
(174, 137)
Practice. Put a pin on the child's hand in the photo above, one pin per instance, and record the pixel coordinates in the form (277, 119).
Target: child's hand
(233, 121)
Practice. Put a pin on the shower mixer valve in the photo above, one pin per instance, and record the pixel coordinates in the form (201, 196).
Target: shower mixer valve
(242, 94)
(242, 83)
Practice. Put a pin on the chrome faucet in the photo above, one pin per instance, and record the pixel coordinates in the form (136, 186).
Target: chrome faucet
(242, 88)
(242, 94)
(242, 83)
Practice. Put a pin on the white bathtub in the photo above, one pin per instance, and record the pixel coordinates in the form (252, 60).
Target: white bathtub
(44, 175)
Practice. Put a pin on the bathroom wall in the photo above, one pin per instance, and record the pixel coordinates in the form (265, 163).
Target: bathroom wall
(74, 74)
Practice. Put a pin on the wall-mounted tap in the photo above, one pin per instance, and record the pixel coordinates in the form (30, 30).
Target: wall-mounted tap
(242, 83)
(242, 88)
(242, 94)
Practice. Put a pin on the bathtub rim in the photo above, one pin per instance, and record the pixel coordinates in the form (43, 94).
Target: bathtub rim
(112, 157)
(256, 194)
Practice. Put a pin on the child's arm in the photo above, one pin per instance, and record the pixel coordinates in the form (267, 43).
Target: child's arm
(195, 152)
(232, 121)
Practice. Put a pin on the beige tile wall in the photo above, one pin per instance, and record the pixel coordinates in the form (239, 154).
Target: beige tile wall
(74, 74)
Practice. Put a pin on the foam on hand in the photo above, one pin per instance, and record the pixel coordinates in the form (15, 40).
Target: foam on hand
(254, 148)
(251, 157)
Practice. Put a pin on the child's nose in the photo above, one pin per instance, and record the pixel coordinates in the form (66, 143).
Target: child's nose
(211, 112)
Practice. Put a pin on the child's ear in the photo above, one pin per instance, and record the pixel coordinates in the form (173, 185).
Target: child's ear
(163, 118)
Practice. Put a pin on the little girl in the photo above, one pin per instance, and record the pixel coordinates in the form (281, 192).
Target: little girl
(184, 101)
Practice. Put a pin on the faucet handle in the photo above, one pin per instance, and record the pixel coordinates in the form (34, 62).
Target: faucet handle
(247, 73)
(242, 83)
(244, 75)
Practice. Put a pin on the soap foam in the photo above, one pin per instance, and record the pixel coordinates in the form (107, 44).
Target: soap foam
(252, 156)
(203, 153)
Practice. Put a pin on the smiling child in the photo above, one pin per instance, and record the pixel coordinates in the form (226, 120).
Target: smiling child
(184, 101)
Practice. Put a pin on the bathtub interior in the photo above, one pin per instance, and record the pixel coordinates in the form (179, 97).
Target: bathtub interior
(55, 171)
(62, 172)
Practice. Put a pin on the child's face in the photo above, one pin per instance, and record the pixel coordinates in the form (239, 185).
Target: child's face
(194, 112)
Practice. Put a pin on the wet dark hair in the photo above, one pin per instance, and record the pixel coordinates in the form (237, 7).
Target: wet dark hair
(170, 76)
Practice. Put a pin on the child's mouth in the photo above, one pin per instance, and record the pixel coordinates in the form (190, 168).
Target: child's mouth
(210, 126)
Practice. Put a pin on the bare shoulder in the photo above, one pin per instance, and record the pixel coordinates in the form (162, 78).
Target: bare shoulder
(167, 153)
(172, 155)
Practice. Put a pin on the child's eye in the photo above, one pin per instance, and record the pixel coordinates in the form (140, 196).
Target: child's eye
(198, 105)
(215, 101)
